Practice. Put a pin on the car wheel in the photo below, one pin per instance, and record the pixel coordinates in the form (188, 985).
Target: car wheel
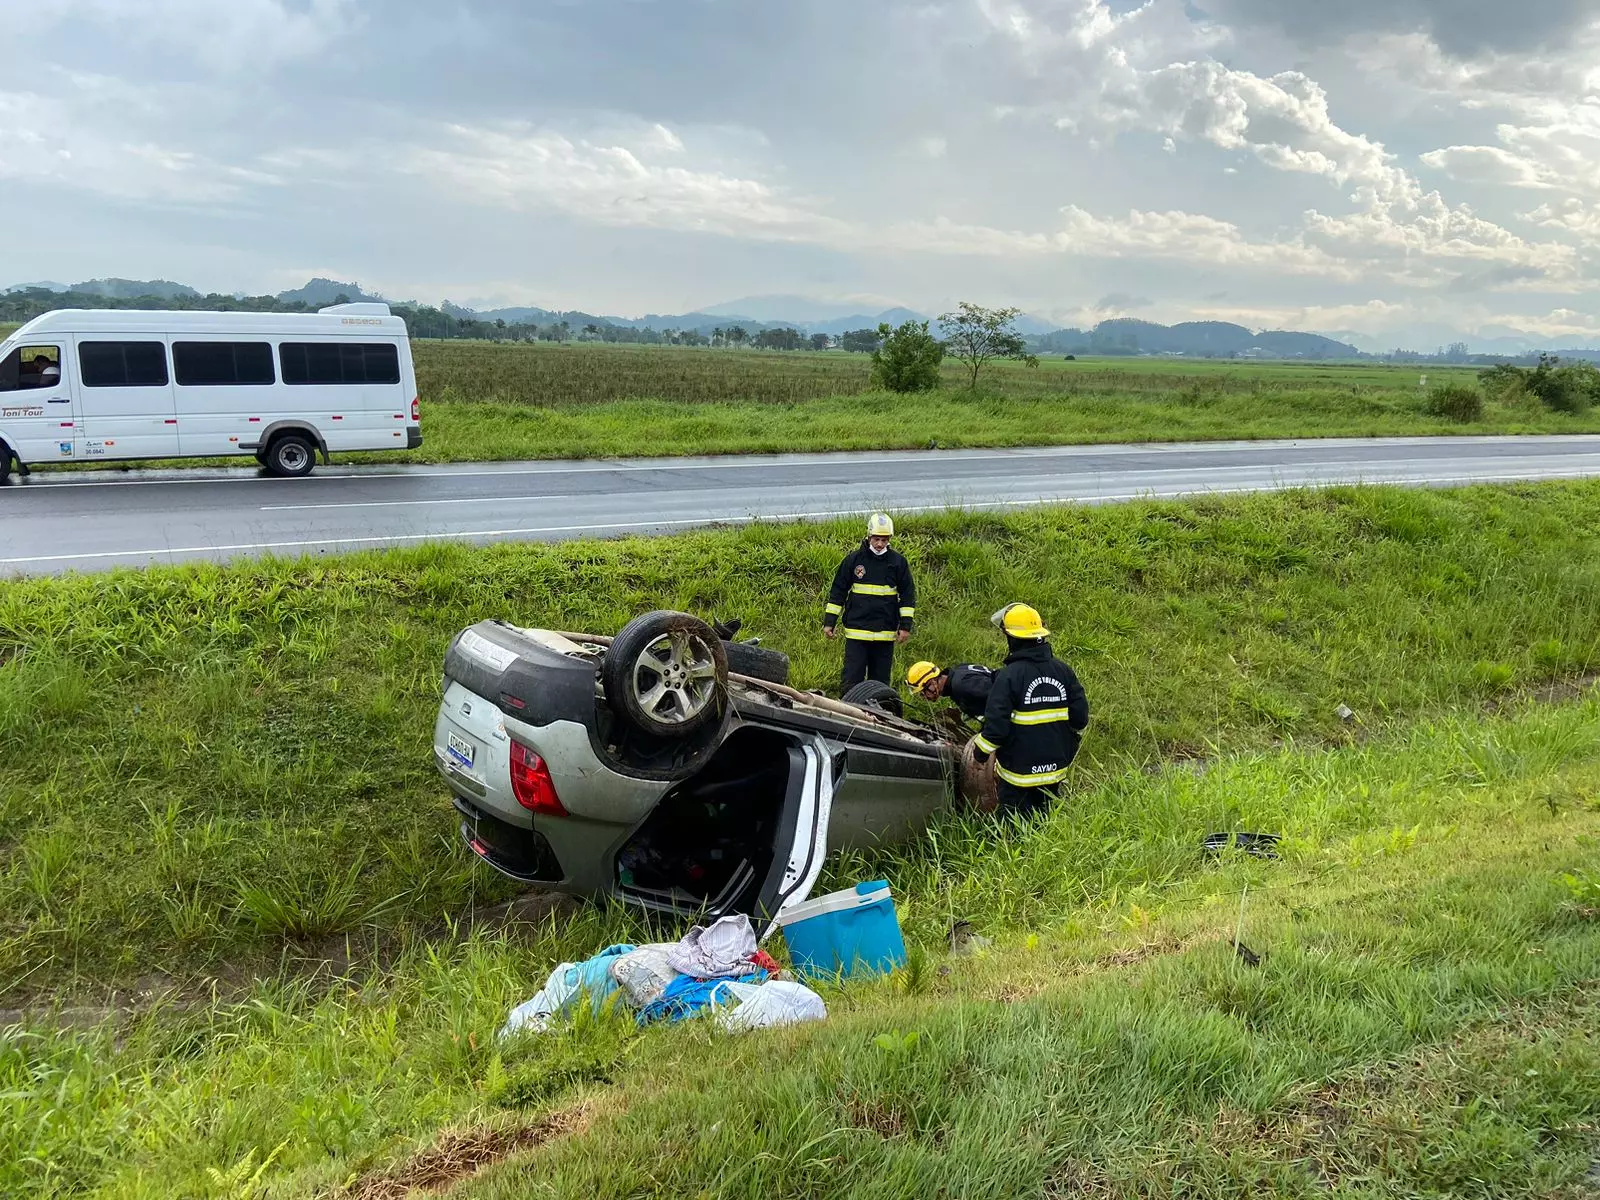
(757, 663)
(978, 787)
(291, 456)
(5, 463)
(666, 674)
(869, 693)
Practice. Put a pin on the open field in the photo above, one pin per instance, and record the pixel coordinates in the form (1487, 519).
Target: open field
(486, 401)
(489, 401)
(208, 768)
(1422, 1021)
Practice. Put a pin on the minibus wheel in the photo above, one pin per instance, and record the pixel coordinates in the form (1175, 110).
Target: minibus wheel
(290, 456)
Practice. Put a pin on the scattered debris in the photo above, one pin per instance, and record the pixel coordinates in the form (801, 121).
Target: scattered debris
(717, 968)
(1259, 845)
(1345, 713)
(1249, 956)
(964, 938)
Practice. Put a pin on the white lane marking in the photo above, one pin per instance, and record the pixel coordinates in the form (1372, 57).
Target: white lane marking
(734, 462)
(415, 503)
(449, 535)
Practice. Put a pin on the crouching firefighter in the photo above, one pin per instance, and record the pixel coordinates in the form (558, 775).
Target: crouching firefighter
(874, 600)
(1036, 716)
(966, 685)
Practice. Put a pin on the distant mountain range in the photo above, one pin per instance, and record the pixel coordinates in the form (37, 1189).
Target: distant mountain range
(116, 289)
(1194, 339)
(1118, 336)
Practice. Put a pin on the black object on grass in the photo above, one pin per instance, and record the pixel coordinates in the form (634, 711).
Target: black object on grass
(1261, 845)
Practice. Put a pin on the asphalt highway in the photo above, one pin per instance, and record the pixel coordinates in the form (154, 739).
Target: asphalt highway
(94, 520)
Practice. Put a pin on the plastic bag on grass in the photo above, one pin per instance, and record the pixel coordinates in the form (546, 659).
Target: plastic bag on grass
(763, 1005)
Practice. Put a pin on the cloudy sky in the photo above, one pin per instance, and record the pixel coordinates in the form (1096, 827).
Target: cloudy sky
(1367, 165)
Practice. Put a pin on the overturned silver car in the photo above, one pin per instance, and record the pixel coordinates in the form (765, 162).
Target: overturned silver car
(672, 766)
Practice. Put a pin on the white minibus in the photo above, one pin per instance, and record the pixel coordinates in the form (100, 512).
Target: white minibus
(82, 385)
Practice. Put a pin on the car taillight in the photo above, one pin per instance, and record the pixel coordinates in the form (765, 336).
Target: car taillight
(416, 408)
(531, 783)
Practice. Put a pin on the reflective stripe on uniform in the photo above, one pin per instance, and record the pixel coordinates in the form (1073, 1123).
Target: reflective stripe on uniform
(1040, 716)
(833, 610)
(870, 635)
(908, 612)
(985, 745)
(1044, 779)
(873, 589)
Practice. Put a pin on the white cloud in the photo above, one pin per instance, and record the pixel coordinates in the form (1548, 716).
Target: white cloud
(1486, 164)
(1571, 215)
(1127, 148)
(93, 138)
(1398, 228)
(520, 167)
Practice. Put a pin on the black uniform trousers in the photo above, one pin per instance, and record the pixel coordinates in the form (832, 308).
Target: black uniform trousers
(1024, 802)
(866, 660)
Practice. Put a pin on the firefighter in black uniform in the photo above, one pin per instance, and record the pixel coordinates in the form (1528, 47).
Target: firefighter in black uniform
(876, 599)
(966, 685)
(1036, 716)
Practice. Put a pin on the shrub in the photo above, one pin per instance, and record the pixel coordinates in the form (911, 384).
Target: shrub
(1568, 388)
(1572, 387)
(1455, 402)
(908, 358)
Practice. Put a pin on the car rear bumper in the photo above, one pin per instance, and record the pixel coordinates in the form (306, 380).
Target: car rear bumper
(413, 436)
(522, 854)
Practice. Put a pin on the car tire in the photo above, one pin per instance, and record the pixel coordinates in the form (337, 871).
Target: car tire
(757, 663)
(5, 463)
(977, 787)
(870, 693)
(666, 674)
(290, 456)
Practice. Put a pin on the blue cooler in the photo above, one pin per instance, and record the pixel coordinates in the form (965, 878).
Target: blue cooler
(844, 932)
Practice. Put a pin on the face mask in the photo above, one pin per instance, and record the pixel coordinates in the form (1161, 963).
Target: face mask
(879, 553)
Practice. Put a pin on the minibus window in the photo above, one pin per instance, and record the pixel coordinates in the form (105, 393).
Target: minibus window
(29, 367)
(339, 362)
(123, 364)
(222, 364)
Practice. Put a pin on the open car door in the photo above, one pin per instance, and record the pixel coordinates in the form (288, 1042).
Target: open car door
(801, 843)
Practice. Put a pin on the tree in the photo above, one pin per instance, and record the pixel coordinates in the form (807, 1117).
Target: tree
(819, 341)
(907, 359)
(977, 335)
(860, 341)
(737, 335)
(778, 339)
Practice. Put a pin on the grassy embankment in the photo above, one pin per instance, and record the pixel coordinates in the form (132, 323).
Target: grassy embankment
(209, 771)
(485, 401)
(203, 762)
(1421, 1022)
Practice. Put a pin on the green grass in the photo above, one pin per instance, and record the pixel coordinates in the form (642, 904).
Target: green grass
(1422, 1022)
(488, 401)
(209, 770)
(484, 401)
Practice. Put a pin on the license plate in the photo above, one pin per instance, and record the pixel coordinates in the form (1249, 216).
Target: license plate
(460, 749)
